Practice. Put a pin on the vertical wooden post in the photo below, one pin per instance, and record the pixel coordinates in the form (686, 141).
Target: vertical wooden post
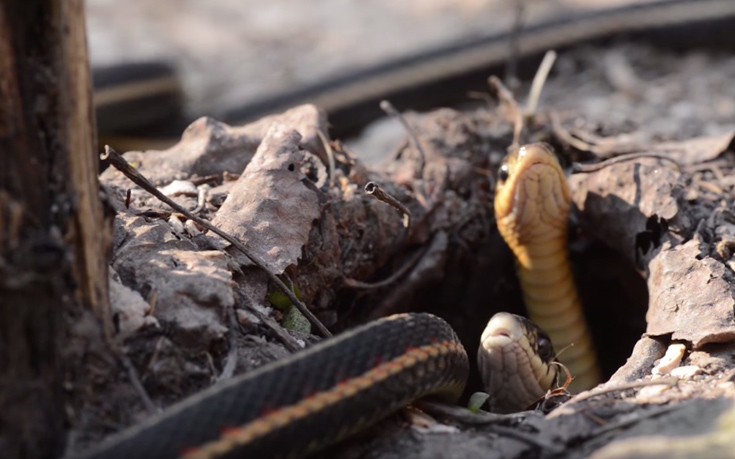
(53, 240)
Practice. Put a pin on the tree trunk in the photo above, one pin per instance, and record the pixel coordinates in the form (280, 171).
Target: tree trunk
(53, 245)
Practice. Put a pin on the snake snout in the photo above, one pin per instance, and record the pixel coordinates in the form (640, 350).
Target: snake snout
(503, 324)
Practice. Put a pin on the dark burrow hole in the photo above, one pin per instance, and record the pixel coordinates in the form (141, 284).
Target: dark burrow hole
(481, 283)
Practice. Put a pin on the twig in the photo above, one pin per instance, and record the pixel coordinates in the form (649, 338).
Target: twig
(156, 352)
(562, 391)
(199, 180)
(430, 258)
(586, 142)
(619, 152)
(388, 108)
(529, 439)
(607, 390)
(231, 359)
(378, 193)
(491, 421)
(538, 83)
(605, 147)
(354, 283)
(578, 168)
(348, 157)
(465, 416)
(647, 414)
(202, 193)
(566, 137)
(483, 96)
(506, 97)
(136, 177)
(134, 379)
(330, 156)
(287, 340)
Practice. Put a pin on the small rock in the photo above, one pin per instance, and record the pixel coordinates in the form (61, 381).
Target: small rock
(179, 187)
(649, 392)
(686, 372)
(670, 360)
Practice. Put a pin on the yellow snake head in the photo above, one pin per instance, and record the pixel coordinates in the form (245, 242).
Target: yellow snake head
(532, 199)
(516, 363)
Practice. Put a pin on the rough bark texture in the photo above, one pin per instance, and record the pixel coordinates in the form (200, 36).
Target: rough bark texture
(53, 244)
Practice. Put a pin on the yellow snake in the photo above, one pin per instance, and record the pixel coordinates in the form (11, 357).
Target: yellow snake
(532, 203)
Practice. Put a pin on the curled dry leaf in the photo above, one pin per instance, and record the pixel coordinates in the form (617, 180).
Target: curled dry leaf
(272, 205)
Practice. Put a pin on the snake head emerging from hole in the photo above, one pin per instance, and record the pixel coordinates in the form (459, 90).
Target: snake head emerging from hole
(532, 205)
(516, 361)
(532, 201)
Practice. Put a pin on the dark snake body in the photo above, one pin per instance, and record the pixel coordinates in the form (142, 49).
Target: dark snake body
(283, 409)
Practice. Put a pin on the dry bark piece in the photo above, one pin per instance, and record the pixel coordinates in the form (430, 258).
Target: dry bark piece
(621, 201)
(272, 206)
(691, 297)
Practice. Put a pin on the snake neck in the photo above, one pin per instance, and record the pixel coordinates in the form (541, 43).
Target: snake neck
(550, 295)
(532, 205)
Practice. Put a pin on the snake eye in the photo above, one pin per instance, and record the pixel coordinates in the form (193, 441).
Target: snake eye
(503, 173)
(545, 349)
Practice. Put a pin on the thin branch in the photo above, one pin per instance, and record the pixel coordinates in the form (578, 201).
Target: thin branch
(527, 438)
(646, 414)
(463, 415)
(380, 194)
(134, 379)
(506, 97)
(287, 340)
(202, 194)
(538, 82)
(410, 263)
(491, 421)
(136, 177)
(629, 154)
(388, 108)
(611, 389)
(566, 137)
(578, 168)
(231, 359)
(330, 156)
